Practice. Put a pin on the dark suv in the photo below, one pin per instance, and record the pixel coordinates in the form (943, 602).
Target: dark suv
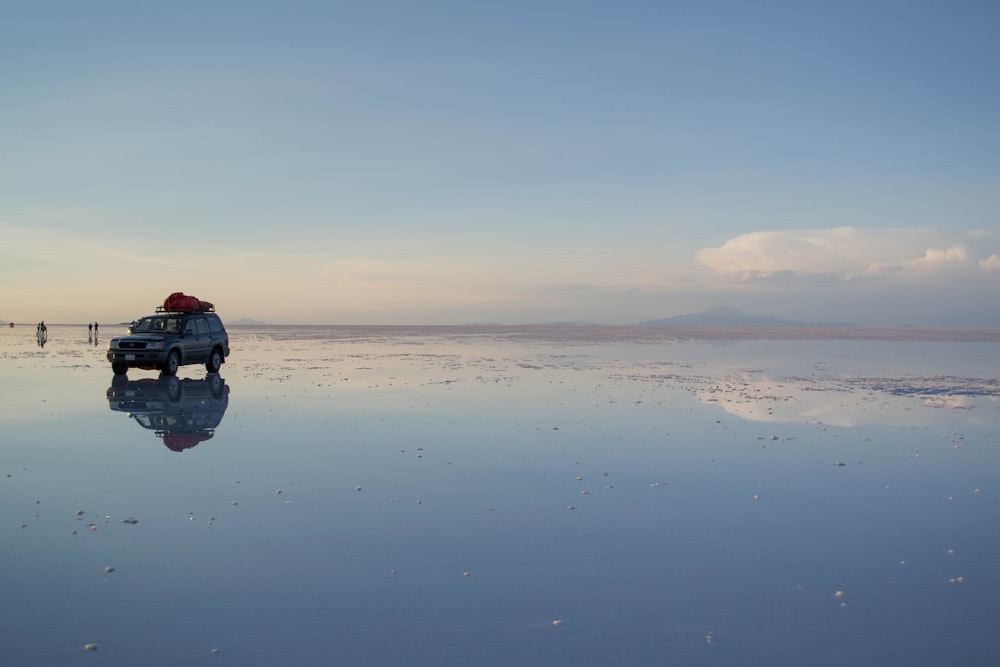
(170, 339)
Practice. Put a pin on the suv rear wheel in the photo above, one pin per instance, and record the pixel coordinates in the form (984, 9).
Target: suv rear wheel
(172, 363)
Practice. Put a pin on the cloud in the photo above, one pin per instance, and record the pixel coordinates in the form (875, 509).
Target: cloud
(846, 254)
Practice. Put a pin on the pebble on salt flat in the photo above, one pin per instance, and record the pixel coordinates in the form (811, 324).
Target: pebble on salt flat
(109, 569)
(90, 647)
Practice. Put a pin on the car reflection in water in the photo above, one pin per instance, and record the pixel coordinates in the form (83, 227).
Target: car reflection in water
(183, 412)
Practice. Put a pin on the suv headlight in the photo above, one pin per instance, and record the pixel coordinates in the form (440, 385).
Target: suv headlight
(155, 346)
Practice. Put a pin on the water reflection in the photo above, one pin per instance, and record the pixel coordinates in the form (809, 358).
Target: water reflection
(182, 412)
(848, 401)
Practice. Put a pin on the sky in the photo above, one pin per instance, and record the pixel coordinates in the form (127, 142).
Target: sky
(411, 162)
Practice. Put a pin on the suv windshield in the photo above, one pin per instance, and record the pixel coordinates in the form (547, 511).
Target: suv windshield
(161, 325)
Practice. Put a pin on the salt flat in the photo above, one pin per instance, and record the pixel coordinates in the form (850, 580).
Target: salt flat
(496, 496)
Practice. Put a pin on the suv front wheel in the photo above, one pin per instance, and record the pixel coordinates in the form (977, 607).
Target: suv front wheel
(214, 362)
(172, 363)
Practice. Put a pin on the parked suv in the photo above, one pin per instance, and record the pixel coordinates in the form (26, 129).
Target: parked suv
(170, 339)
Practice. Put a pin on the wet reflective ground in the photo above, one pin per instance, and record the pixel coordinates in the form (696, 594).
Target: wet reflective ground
(477, 496)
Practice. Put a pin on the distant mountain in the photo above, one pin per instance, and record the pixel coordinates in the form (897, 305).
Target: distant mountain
(573, 323)
(247, 320)
(725, 316)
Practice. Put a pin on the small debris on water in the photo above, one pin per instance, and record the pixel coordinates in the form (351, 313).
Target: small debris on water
(109, 569)
(90, 647)
(131, 520)
(556, 623)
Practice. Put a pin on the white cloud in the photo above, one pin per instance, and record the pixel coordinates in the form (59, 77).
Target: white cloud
(845, 254)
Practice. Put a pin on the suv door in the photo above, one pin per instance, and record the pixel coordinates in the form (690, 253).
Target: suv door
(197, 341)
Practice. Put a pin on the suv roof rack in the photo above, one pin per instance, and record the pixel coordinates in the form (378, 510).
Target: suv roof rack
(161, 310)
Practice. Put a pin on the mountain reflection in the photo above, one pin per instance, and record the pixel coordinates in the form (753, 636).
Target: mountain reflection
(182, 412)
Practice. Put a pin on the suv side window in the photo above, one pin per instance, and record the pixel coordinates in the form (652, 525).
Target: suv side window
(189, 328)
(202, 326)
(214, 324)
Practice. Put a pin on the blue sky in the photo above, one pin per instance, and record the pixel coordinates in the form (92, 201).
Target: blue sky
(451, 162)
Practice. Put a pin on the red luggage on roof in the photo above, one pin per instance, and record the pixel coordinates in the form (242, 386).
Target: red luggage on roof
(180, 302)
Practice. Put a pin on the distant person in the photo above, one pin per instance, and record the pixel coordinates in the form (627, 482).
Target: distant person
(95, 328)
(90, 329)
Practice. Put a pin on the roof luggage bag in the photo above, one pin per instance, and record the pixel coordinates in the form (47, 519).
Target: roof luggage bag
(179, 302)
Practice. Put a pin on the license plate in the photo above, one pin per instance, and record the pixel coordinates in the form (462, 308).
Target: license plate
(129, 357)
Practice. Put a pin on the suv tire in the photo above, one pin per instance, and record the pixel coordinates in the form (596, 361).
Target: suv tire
(214, 362)
(119, 368)
(172, 363)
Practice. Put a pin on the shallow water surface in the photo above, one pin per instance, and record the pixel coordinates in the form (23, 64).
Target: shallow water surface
(487, 496)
